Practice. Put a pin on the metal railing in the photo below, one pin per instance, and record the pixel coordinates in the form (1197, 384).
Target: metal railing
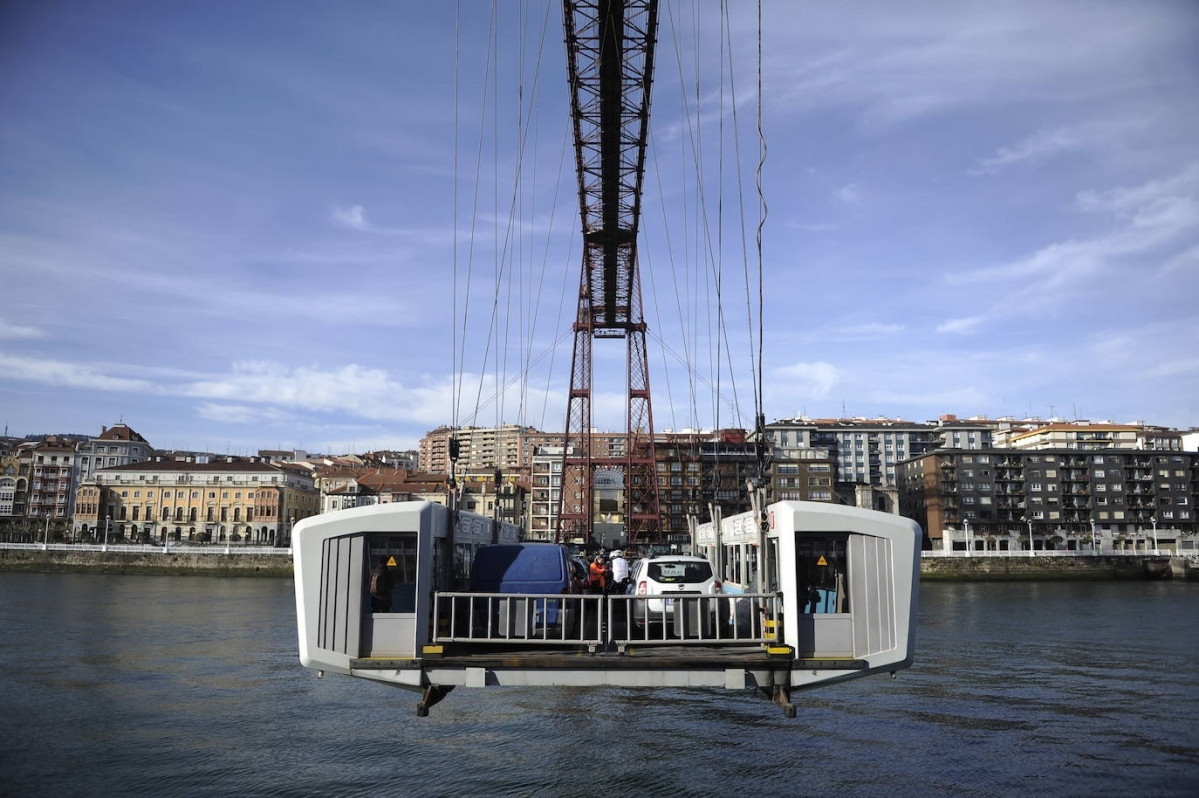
(146, 548)
(602, 621)
(1025, 553)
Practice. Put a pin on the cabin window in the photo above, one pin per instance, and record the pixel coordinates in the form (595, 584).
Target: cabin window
(399, 553)
(821, 574)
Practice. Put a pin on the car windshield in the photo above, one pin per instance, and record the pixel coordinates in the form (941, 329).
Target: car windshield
(679, 572)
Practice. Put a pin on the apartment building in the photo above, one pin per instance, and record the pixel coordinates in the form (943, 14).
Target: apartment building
(16, 471)
(1006, 499)
(864, 451)
(114, 446)
(1075, 436)
(544, 492)
(478, 448)
(52, 484)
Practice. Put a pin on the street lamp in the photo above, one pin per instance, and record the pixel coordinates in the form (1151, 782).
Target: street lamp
(1153, 520)
(107, 524)
(1031, 550)
(46, 543)
(1094, 549)
(969, 548)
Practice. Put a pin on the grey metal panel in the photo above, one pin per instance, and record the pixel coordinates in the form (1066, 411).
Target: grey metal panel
(355, 590)
(871, 567)
(339, 625)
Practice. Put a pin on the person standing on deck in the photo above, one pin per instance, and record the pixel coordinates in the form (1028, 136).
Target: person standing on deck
(596, 571)
(380, 586)
(620, 572)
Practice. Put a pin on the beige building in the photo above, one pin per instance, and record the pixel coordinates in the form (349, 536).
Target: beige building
(1078, 436)
(228, 500)
(479, 448)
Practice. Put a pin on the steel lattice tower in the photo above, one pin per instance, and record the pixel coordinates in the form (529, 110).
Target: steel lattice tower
(610, 53)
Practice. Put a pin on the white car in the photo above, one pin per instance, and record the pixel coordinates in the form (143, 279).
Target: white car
(665, 580)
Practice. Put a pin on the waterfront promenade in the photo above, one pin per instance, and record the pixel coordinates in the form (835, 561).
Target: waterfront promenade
(220, 559)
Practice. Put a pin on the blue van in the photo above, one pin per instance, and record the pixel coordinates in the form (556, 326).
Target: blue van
(527, 568)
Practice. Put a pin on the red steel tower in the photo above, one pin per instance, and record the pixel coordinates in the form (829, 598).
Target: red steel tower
(610, 53)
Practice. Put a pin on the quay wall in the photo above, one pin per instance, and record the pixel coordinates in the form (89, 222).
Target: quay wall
(1015, 568)
(119, 562)
(968, 569)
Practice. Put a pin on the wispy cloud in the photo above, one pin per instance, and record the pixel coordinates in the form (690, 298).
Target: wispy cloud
(867, 332)
(68, 375)
(351, 389)
(848, 194)
(928, 60)
(353, 217)
(814, 380)
(1184, 261)
(1149, 223)
(244, 414)
(1143, 203)
(962, 325)
(13, 332)
(1039, 146)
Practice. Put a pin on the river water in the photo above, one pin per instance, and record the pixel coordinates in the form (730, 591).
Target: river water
(145, 685)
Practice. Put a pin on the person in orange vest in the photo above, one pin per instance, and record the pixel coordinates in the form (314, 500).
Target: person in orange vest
(596, 574)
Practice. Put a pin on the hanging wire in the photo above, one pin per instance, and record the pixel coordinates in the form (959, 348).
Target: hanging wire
(763, 211)
(755, 382)
(455, 360)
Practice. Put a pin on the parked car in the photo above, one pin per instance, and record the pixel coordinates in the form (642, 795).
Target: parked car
(527, 568)
(667, 578)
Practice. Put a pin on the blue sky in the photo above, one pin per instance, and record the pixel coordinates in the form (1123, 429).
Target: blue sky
(337, 226)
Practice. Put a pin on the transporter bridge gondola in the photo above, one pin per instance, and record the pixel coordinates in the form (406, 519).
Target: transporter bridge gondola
(834, 598)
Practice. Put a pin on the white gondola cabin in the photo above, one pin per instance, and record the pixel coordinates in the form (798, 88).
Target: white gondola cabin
(836, 601)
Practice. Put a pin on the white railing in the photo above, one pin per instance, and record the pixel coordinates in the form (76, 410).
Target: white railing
(145, 548)
(594, 620)
(941, 554)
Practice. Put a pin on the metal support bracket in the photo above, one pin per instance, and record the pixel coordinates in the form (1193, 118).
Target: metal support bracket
(433, 693)
(782, 697)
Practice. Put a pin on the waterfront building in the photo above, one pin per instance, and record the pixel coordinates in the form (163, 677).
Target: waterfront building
(802, 475)
(728, 462)
(702, 473)
(388, 458)
(227, 500)
(545, 487)
(341, 488)
(114, 446)
(1061, 433)
(1071, 499)
(681, 495)
(282, 455)
(1087, 436)
(52, 487)
(15, 473)
(865, 452)
(509, 447)
(970, 433)
(505, 501)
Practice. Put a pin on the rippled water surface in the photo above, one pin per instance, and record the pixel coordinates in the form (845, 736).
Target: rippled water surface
(144, 685)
